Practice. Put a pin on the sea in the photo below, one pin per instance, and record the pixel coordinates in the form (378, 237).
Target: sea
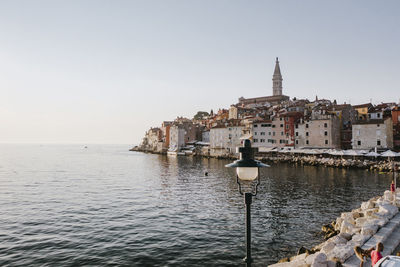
(103, 205)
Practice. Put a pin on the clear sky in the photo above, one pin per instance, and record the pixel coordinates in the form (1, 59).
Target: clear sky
(105, 71)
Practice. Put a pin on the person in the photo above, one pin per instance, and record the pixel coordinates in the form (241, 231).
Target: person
(393, 190)
(375, 254)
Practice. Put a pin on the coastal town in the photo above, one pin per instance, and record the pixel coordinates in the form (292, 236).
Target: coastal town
(282, 124)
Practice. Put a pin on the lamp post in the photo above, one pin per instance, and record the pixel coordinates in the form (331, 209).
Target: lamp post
(247, 170)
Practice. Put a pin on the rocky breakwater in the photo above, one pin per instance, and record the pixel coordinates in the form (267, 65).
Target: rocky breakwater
(353, 229)
(314, 160)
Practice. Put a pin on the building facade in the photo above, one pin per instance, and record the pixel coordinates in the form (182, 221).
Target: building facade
(369, 134)
(323, 132)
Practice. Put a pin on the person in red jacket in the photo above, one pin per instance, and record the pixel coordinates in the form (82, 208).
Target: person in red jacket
(375, 254)
(393, 190)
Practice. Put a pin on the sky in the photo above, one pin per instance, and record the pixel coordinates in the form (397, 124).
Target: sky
(106, 71)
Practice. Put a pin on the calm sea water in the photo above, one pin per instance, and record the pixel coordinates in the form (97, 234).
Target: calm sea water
(64, 205)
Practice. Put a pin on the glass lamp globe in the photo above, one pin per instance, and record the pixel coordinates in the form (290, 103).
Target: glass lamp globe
(247, 173)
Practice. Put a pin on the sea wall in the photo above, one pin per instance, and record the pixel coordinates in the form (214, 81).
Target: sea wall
(378, 164)
(352, 229)
(337, 162)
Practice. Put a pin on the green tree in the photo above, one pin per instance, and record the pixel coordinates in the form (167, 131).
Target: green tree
(200, 115)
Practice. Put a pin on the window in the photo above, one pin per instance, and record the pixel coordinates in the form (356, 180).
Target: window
(281, 125)
(265, 125)
(297, 133)
(287, 119)
(281, 133)
(297, 142)
(262, 140)
(262, 133)
(306, 142)
(306, 133)
(306, 125)
(378, 125)
(255, 125)
(325, 125)
(326, 142)
(269, 133)
(273, 133)
(297, 126)
(273, 125)
(280, 119)
(326, 133)
(359, 143)
(378, 142)
(287, 126)
(378, 115)
(255, 140)
(369, 116)
(255, 133)
(287, 134)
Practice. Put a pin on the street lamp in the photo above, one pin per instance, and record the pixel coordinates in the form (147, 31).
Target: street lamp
(247, 170)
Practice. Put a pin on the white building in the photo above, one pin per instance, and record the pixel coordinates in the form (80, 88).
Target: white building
(176, 138)
(205, 136)
(224, 140)
(261, 133)
(373, 133)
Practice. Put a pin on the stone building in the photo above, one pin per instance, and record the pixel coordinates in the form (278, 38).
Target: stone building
(182, 132)
(225, 138)
(320, 132)
(368, 134)
(347, 116)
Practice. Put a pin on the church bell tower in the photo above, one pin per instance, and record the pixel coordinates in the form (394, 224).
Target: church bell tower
(277, 80)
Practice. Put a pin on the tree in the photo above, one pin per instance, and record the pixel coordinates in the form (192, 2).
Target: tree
(200, 115)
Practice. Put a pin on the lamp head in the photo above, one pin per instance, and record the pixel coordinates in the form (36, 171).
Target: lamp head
(246, 166)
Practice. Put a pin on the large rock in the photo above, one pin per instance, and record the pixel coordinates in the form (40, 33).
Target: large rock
(370, 212)
(342, 252)
(338, 224)
(367, 205)
(361, 221)
(349, 228)
(359, 239)
(345, 236)
(328, 247)
(319, 260)
(348, 217)
(310, 258)
(369, 229)
(299, 257)
(388, 210)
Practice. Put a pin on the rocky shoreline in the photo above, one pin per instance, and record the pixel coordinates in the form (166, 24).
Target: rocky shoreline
(378, 164)
(349, 230)
(360, 163)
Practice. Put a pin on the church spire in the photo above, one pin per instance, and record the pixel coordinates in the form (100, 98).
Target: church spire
(277, 80)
